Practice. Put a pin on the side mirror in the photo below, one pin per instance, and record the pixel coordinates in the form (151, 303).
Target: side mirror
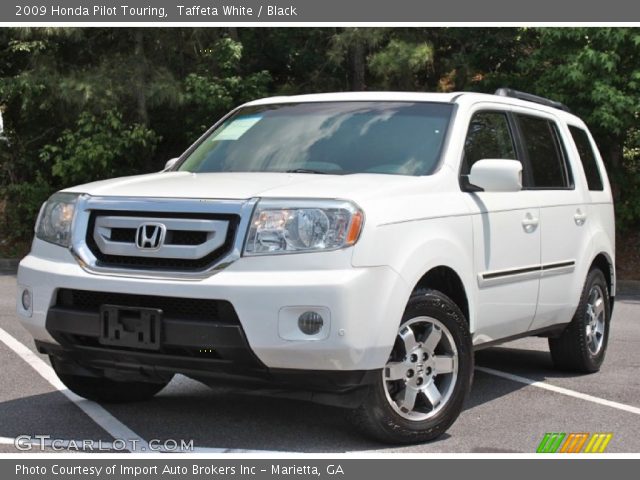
(170, 164)
(497, 175)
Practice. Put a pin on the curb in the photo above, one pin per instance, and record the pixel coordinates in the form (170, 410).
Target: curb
(9, 266)
(628, 287)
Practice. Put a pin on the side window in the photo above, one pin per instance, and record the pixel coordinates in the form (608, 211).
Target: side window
(488, 136)
(587, 157)
(545, 152)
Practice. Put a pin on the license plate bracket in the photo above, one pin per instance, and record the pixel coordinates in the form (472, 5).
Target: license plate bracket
(132, 327)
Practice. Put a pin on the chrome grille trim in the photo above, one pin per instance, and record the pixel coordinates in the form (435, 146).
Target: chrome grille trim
(165, 206)
(216, 231)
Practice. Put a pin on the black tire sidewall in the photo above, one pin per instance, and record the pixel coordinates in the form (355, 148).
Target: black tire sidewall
(438, 306)
(595, 277)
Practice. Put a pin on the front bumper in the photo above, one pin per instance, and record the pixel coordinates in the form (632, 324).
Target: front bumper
(365, 305)
(331, 387)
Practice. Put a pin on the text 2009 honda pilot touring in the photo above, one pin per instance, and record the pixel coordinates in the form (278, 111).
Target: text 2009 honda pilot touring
(356, 247)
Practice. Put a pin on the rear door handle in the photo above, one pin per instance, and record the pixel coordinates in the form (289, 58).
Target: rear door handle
(580, 218)
(530, 223)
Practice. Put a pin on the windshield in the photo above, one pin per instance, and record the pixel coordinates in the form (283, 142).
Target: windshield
(332, 137)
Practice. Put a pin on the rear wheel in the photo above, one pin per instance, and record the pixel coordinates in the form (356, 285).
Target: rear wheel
(583, 344)
(106, 390)
(421, 390)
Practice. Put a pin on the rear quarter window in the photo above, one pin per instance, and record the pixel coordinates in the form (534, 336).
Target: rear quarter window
(587, 158)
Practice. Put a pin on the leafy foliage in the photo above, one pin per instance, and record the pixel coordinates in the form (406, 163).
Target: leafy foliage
(98, 148)
(21, 203)
(81, 104)
(596, 72)
(401, 64)
(217, 86)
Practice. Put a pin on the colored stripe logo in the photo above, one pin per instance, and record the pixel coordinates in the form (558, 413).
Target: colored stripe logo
(574, 442)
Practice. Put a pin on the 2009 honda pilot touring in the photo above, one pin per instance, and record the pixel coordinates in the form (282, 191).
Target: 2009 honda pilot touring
(355, 247)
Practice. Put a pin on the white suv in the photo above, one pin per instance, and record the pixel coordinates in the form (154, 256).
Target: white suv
(356, 247)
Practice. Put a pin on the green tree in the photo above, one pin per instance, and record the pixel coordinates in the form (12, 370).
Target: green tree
(402, 64)
(87, 103)
(596, 72)
(353, 45)
(216, 85)
(98, 148)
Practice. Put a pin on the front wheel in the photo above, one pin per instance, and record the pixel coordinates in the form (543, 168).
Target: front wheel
(421, 390)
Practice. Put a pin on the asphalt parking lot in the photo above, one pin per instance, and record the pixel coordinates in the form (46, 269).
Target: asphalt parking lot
(505, 412)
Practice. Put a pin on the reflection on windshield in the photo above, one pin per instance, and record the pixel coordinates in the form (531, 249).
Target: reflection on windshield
(333, 137)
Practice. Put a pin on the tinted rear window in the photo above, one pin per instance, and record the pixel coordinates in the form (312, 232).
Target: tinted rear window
(587, 157)
(545, 152)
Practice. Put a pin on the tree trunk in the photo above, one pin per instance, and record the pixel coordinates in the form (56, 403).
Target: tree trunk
(612, 154)
(233, 33)
(141, 98)
(140, 87)
(357, 54)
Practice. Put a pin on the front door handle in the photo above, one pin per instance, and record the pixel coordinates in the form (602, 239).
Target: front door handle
(580, 218)
(530, 223)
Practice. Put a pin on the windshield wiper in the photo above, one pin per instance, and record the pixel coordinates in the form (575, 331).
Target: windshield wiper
(305, 170)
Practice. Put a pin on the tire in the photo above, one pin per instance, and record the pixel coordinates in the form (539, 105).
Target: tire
(105, 390)
(582, 346)
(385, 414)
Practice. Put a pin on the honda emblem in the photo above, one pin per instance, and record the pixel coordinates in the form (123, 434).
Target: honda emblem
(150, 236)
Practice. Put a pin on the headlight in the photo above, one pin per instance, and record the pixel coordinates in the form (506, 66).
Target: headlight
(56, 217)
(293, 226)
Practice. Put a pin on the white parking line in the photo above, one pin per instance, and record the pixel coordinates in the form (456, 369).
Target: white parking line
(79, 445)
(238, 450)
(96, 412)
(57, 443)
(563, 391)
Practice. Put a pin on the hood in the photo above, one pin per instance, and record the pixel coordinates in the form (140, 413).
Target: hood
(244, 185)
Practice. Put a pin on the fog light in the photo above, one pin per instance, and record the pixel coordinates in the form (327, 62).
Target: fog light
(26, 300)
(304, 323)
(310, 323)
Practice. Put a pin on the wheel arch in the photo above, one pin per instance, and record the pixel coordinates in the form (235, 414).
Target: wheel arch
(605, 263)
(447, 281)
(421, 252)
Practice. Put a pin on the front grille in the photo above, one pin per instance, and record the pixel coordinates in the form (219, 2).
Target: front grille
(174, 238)
(186, 237)
(190, 309)
(124, 235)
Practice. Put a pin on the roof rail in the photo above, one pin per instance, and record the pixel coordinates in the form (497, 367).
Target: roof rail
(509, 92)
